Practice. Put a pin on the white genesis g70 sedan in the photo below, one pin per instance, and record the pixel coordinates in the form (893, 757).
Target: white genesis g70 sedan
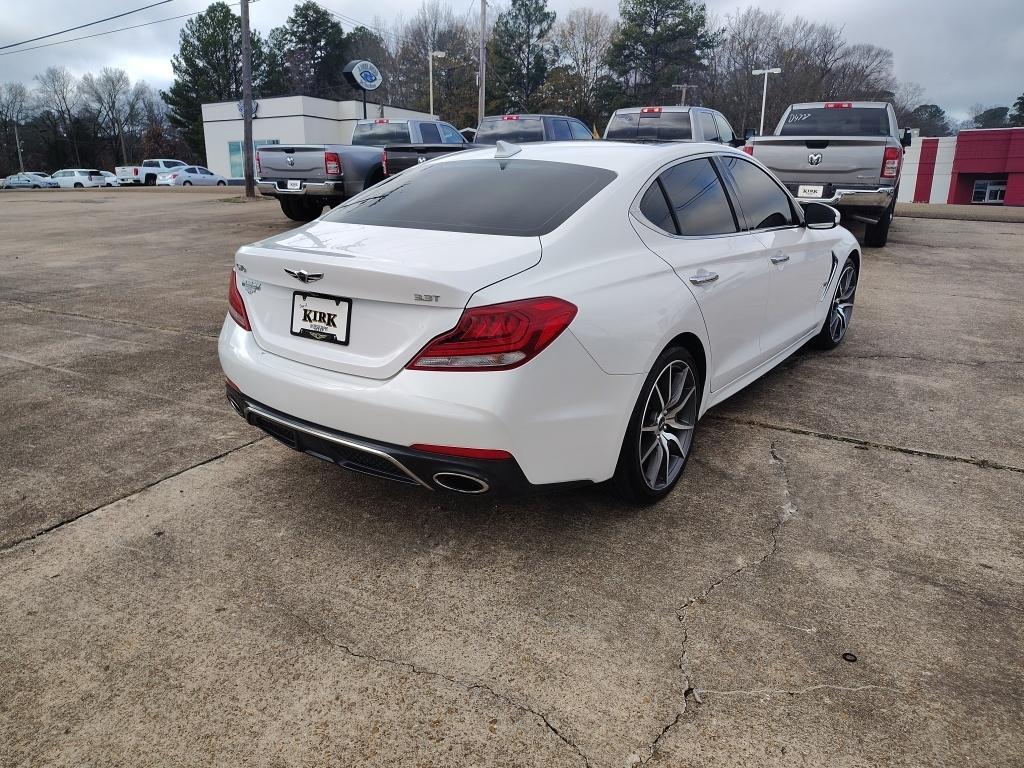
(532, 317)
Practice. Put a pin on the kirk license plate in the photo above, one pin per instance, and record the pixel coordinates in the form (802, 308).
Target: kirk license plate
(810, 190)
(294, 184)
(320, 317)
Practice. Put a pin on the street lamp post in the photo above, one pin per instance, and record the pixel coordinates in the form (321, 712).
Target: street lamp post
(430, 67)
(764, 93)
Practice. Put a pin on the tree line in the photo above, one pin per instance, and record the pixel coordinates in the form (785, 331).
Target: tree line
(583, 63)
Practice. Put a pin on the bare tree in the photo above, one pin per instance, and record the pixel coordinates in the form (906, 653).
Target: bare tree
(117, 102)
(58, 93)
(582, 37)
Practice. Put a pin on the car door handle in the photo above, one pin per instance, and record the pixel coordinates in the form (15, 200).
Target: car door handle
(779, 258)
(704, 277)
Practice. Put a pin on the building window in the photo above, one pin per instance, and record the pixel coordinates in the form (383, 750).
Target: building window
(990, 191)
(235, 155)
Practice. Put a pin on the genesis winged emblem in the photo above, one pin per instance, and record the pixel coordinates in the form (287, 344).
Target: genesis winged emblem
(304, 276)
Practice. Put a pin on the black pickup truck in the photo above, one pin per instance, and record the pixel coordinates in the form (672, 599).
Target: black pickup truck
(398, 157)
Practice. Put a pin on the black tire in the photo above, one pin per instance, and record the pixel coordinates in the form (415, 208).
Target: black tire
(376, 177)
(877, 235)
(840, 310)
(150, 180)
(222, 183)
(186, 183)
(79, 185)
(645, 443)
(300, 209)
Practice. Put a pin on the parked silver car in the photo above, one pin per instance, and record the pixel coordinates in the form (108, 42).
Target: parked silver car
(191, 176)
(29, 180)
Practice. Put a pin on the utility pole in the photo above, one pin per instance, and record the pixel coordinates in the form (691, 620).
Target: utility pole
(250, 185)
(764, 93)
(430, 56)
(17, 143)
(481, 74)
(682, 96)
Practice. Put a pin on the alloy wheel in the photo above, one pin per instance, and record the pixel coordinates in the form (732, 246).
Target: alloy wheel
(842, 305)
(666, 425)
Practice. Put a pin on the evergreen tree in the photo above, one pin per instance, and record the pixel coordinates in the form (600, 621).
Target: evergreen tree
(313, 52)
(1016, 117)
(521, 55)
(930, 119)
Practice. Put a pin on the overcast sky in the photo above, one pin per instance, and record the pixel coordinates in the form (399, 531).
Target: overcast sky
(961, 52)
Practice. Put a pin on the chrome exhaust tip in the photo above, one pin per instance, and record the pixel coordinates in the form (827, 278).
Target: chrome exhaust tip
(455, 481)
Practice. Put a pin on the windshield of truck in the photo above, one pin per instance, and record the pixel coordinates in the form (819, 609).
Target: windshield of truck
(650, 126)
(836, 121)
(510, 128)
(380, 133)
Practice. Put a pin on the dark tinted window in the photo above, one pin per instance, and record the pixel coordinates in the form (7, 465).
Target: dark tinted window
(430, 133)
(707, 124)
(695, 192)
(580, 132)
(654, 207)
(517, 130)
(377, 134)
(725, 131)
(764, 203)
(659, 126)
(560, 130)
(493, 197)
(150, 164)
(190, 170)
(173, 163)
(836, 121)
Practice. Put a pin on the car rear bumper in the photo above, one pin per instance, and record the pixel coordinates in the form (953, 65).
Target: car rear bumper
(560, 416)
(307, 188)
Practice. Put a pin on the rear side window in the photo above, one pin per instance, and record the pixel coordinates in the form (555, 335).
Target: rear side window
(560, 130)
(698, 199)
(725, 131)
(430, 133)
(524, 198)
(836, 121)
(655, 208)
(517, 130)
(378, 134)
(764, 203)
(707, 125)
(657, 126)
(580, 132)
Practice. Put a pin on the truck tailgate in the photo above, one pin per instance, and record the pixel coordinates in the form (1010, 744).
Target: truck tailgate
(818, 160)
(402, 156)
(291, 162)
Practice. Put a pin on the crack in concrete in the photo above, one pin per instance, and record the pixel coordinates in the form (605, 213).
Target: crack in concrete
(417, 670)
(61, 523)
(972, 460)
(802, 691)
(788, 510)
(921, 359)
(131, 324)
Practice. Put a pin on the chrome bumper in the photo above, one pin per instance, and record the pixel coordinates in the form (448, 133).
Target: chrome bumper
(879, 197)
(314, 189)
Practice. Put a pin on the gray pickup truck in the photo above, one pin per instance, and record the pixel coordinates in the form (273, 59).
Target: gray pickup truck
(679, 123)
(306, 177)
(848, 154)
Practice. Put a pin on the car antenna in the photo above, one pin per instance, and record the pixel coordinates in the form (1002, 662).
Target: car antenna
(506, 150)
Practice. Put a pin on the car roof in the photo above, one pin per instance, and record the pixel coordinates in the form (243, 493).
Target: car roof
(621, 157)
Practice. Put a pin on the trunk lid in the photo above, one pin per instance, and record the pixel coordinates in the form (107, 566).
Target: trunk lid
(406, 286)
(848, 159)
(291, 162)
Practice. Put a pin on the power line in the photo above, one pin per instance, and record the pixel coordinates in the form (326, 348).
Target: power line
(83, 26)
(108, 32)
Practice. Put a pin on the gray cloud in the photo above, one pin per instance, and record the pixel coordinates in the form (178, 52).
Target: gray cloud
(960, 52)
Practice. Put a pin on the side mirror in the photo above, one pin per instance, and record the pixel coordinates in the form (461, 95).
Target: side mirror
(906, 138)
(737, 142)
(748, 133)
(820, 216)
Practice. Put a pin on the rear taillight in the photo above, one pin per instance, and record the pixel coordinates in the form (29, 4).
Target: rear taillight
(490, 454)
(259, 167)
(497, 337)
(332, 163)
(891, 162)
(384, 162)
(749, 149)
(135, 171)
(174, 175)
(236, 307)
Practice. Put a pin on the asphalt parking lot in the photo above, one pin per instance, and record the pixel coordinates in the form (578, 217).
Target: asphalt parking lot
(838, 580)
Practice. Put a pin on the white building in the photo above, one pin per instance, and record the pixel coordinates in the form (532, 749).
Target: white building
(284, 120)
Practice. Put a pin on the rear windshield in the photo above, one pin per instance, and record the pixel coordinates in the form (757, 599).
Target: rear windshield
(836, 121)
(380, 134)
(519, 130)
(656, 126)
(524, 198)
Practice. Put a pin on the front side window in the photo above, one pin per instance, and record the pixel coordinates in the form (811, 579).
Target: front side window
(173, 164)
(764, 203)
(449, 135)
(580, 132)
(698, 199)
(524, 198)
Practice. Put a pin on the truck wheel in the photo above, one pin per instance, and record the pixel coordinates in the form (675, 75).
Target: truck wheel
(150, 180)
(877, 235)
(79, 185)
(374, 178)
(300, 209)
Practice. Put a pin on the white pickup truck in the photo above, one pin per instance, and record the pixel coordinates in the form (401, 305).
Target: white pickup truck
(147, 172)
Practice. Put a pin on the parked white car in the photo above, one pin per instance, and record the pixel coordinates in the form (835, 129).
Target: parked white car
(535, 316)
(110, 180)
(147, 172)
(189, 176)
(78, 178)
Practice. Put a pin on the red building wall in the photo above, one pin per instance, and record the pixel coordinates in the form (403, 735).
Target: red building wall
(988, 153)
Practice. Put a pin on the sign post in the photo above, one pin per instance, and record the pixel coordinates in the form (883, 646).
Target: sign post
(364, 76)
